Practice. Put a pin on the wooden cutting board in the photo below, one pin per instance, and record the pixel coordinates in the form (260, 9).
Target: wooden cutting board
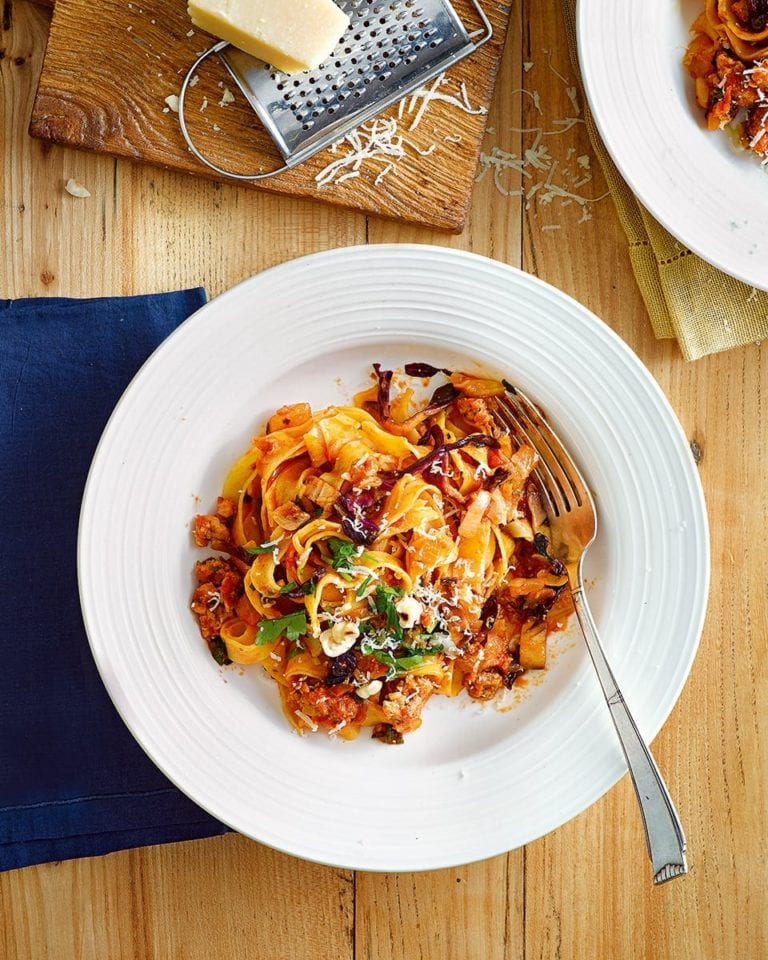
(110, 65)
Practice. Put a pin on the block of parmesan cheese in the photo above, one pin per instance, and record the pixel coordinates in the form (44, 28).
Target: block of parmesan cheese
(291, 35)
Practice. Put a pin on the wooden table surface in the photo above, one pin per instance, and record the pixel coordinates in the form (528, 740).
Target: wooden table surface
(583, 891)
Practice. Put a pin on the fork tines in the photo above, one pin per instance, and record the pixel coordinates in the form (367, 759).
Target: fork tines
(560, 481)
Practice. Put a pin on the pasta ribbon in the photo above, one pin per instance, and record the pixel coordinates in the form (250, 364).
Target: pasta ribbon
(378, 554)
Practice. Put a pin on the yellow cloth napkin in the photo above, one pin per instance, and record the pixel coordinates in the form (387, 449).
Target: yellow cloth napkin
(671, 278)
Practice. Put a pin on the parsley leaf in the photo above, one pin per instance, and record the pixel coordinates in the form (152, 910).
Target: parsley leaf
(293, 625)
(291, 585)
(219, 651)
(384, 602)
(261, 549)
(309, 588)
(374, 640)
(363, 586)
(342, 551)
(424, 651)
(397, 664)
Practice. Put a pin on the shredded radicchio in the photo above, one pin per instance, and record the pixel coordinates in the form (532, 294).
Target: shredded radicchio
(360, 530)
(385, 381)
(443, 396)
(434, 435)
(473, 439)
(425, 370)
(541, 546)
(356, 525)
(489, 612)
(358, 501)
(387, 480)
(495, 479)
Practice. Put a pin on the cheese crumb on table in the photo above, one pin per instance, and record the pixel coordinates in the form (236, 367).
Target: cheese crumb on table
(75, 189)
(291, 36)
(227, 97)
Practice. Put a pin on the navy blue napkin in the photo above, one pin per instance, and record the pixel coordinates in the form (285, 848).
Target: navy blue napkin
(73, 782)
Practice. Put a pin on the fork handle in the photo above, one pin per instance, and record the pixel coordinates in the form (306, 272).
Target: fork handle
(663, 831)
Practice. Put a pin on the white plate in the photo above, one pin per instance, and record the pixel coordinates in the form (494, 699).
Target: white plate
(473, 781)
(708, 193)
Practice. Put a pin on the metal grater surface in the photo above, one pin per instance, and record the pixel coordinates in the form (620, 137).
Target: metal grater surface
(391, 48)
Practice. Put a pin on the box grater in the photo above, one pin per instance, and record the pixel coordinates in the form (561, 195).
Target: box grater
(390, 49)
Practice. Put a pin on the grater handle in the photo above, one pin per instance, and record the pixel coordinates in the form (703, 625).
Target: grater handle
(216, 48)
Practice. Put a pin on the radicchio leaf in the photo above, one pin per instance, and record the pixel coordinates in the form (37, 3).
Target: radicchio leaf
(358, 501)
(541, 546)
(489, 612)
(434, 435)
(443, 396)
(472, 439)
(425, 370)
(359, 528)
(387, 479)
(495, 479)
(384, 378)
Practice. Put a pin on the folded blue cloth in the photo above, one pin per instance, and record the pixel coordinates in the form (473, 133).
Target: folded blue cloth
(73, 782)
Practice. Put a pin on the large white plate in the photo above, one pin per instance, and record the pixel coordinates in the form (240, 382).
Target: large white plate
(473, 781)
(708, 193)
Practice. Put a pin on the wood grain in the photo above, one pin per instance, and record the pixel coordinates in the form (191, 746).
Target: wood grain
(581, 893)
(105, 79)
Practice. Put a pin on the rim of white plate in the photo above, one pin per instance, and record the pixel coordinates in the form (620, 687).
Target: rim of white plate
(285, 808)
(709, 195)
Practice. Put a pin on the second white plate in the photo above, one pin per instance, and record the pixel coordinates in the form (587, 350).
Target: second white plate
(473, 781)
(711, 195)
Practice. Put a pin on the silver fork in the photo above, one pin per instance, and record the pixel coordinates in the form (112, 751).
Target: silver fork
(573, 526)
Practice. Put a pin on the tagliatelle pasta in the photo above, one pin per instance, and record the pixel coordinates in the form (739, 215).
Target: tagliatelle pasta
(728, 60)
(374, 555)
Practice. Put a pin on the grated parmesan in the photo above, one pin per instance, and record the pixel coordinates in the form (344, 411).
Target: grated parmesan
(549, 181)
(307, 720)
(381, 141)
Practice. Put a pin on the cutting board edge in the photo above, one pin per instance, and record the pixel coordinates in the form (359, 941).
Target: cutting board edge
(450, 225)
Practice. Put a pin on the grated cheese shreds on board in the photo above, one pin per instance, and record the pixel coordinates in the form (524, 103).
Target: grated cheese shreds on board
(381, 140)
(543, 179)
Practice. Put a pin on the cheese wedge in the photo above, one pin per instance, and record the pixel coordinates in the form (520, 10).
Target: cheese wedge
(291, 35)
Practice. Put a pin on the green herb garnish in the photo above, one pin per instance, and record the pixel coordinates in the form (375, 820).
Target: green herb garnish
(261, 549)
(398, 664)
(293, 625)
(424, 651)
(308, 588)
(342, 551)
(219, 651)
(363, 586)
(384, 602)
(374, 640)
